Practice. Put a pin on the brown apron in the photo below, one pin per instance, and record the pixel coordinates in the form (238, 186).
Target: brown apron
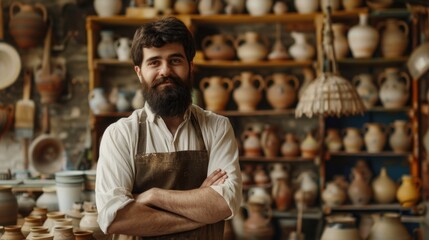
(183, 170)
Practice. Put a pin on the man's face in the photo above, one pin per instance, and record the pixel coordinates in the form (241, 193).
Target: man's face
(165, 77)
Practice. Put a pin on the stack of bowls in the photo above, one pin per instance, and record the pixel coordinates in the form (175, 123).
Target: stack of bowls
(69, 188)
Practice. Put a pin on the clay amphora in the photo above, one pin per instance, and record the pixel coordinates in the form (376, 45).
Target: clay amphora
(352, 140)
(341, 45)
(258, 7)
(270, 142)
(281, 90)
(301, 50)
(333, 141)
(251, 47)
(251, 144)
(249, 92)
(388, 226)
(290, 148)
(218, 47)
(306, 6)
(210, 7)
(341, 228)
(359, 191)
(216, 91)
(408, 193)
(394, 88)
(8, 207)
(362, 38)
(394, 38)
(107, 8)
(400, 139)
(333, 195)
(123, 48)
(27, 23)
(309, 146)
(282, 194)
(12, 232)
(106, 46)
(384, 188)
(366, 89)
(374, 137)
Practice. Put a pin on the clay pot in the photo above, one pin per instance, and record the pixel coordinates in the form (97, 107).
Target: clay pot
(40, 211)
(341, 228)
(379, 4)
(290, 148)
(123, 48)
(258, 7)
(216, 91)
(218, 47)
(394, 38)
(309, 146)
(333, 195)
(362, 38)
(281, 90)
(333, 141)
(48, 199)
(251, 47)
(341, 45)
(352, 140)
(106, 46)
(236, 6)
(185, 6)
(362, 166)
(394, 88)
(210, 7)
(98, 101)
(374, 137)
(83, 235)
(107, 8)
(388, 226)
(366, 89)
(251, 144)
(306, 6)
(278, 171)
(384, 188)
(30, 222)
(301, 50)
(408, 193)
(51, 217)
(400, 139)
(249, 92)
(308, 187)
(270, 142)
(365, 225)
(89, 222)
(282, 194)
(63, 233)
(8, 207)
(26, 204)
(12, 232)
(359, 191)
(260, 177)
(257, 225)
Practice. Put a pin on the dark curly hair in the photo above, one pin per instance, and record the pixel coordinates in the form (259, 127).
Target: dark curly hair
(160, 32)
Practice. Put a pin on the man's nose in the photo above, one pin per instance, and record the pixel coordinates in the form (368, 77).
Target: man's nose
(165, 69)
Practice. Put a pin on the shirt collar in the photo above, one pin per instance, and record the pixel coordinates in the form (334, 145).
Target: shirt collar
(151, 116)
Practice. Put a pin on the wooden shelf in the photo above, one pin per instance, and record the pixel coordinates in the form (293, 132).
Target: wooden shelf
(367, 154)
(390, 12)
(371, 207)
(112, 115)
(110, 62)
(259, 64)
(383, 109)
(311, 213)
(270, 112)
(373, 61)
(263, 159)
(249, 19)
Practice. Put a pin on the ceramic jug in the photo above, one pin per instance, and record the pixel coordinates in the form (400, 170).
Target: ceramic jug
(8, 206)
(282, 194)
(218, 47)
(309, 146)
(270, 142)
(185, 6)
(251, 47)
(216, 91)
(352, 140)
(306, 6)
(366, 89)
(210, 7)
(333, 141)
(394, 38)
(401, 137)
(388, 226)
(374, 137)
(107, 8)
(359, 191)
(341, 228)
(363, 38)
(251, 144)
(98, 102)
(258, 224)
(408, 193)
(394, 88)
(123, 48)
(106, 48)
(28, 23)
(341, 45)
(281, 90)
(248, 94)
(384, 188)
(333, 195)
(301, 50)
(290, 148)
(306, 190)
(258, 7)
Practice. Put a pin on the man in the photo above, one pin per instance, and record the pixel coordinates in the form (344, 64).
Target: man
(170, 170)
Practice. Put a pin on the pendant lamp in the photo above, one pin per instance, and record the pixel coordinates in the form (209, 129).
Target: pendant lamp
(329, 94)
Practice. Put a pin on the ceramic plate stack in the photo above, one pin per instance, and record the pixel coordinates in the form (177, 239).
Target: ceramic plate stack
(69, 188)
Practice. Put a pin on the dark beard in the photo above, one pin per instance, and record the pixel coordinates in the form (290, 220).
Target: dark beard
(171, 101)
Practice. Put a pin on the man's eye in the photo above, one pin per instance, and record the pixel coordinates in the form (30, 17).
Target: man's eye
(152, 63)
(176, 60)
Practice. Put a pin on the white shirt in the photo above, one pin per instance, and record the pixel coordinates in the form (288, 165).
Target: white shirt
(118, 147)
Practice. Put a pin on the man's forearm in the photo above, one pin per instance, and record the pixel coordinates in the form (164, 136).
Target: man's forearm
(202, 205)
(137, 219)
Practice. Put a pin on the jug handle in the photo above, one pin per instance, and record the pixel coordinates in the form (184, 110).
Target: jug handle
(295, 81)
(42, 8)
(205, 41)
(229, 84)
(203, 82)
(235, 80)
(404, 26)
(12, 7)
(381, 78)
(238, 40)
(268, 80)
(407, 79)
(261, 81)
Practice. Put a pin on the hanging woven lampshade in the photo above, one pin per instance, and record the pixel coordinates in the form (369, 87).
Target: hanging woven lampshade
(329, 94)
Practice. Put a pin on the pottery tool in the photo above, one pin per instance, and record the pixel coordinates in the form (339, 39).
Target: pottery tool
(24, 116)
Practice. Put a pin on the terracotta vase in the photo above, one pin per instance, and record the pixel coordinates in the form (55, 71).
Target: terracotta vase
(235, 6)
(394, 88)
(374, 137)
(333, 195)
(301, 50)
(63, 233)
(363, 38)
(341, 45)
(408, 193)
(249, 92)
(251, 144)
(352, 140)
(216, 91)
(27, 24)
(270, 141)
(384, 188)
(37, 231)
(40, 211)
(290, 147)
(65, 222)
(359, 191)
(12, 232)
(308, 188)
(400, 139)
(394, 38)
(341, 228)
(281, 90)
(8, 207)
(366, 89)
(218, 47)
(309, 146)
(251, 47)
(282, 194)
(51, 86)
(278, 171)
(333, 141)
(362, 166)
(388, 226)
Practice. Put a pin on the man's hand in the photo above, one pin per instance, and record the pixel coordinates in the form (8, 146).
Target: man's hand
(217, 177)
